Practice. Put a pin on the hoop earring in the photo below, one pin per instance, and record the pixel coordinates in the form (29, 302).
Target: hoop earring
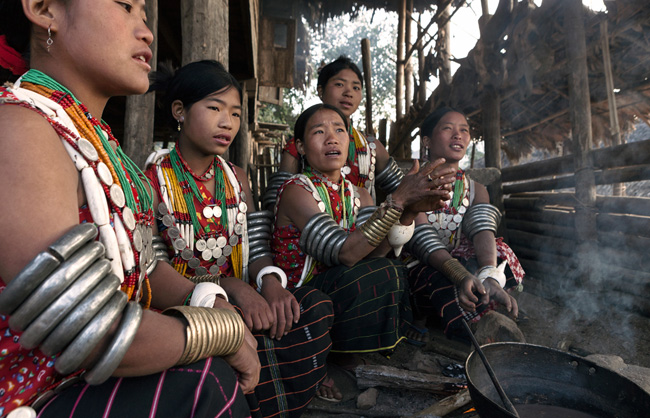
(49, 41)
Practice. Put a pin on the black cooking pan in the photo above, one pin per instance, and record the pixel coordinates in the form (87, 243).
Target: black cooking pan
(545, 378)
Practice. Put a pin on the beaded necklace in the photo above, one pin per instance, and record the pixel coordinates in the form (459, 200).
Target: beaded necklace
(112, 182)
(218, 239)
(337, 198)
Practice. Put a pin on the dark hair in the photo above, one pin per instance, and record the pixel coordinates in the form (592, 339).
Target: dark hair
(17, 28)
(191, 83)
(427, 127)
(301, 123)
(335, 67)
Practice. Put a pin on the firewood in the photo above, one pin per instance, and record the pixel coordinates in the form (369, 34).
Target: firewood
(391, 377)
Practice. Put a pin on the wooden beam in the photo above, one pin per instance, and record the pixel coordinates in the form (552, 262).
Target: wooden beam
(366, 57)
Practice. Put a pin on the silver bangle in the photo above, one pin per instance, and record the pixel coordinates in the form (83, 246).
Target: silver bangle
(121, 342)
(390, 177)
(480, 217)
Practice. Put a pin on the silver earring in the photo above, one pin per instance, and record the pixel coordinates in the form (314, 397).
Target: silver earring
(49, 41)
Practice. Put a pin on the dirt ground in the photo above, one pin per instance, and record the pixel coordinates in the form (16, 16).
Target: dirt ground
(595, 329)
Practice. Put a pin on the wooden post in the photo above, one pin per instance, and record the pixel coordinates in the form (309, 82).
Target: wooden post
(240, 149)
(408, 68)
(367, 79)
(444, 46)
(422, 87)
(618, 189)
(204, 28)
(581, 136)
(138, 121)
(399, 78)
(382, 131)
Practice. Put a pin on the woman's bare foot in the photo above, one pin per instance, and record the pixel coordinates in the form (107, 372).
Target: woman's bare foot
(328, 391)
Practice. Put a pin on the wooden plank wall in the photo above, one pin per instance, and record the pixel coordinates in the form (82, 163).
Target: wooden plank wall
(541, 216)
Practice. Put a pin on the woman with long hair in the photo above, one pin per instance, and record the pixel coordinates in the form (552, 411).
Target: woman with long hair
(78, 338)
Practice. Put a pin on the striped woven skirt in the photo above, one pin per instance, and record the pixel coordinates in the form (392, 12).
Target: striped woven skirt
(293, 367)
(371, 306)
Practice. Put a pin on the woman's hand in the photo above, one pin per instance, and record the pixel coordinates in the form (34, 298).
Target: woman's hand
(426, 188)
(283, 304)
(469, 287)
(496, 292)
(246, 363)
(256, 312)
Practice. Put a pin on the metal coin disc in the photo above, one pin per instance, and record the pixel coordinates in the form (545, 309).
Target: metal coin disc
(227, 250)
(447, 233)
(214, 269)
(137, 239)
(221, 261)
(465, 202)
(243, 207)
(243, 197)
(452, 226)
(432, 217)
(373, 160)
(162, 209)
(201, 271)
(128, 218)
(211, 243)
(217, 212)
(371, 175)
(216, 253)
(208, 212)
(87, 149)
(193, 262)
(168, 220)
(357, 202)
(436, 224)
(200, 244)
(233, 240)
(173, 232)
(346, 170)
(462, 209)
(241, 217)
(372, 145)
(117, 196)
(239, 229)
(104, 174)
(206, 254)
(372, 167)
(187, 254)
(458, 218)
(179, 244)
(221, 241)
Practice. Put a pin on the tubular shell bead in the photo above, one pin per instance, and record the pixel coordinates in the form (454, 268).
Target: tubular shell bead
(123, 243)
(79, 161)
(109, 239)
(95, 196)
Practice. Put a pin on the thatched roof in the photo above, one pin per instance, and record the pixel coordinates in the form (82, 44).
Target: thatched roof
(535, 95)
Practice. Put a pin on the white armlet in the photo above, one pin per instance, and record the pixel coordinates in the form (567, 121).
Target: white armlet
(496, 273)
(271, 270)
(206, 293)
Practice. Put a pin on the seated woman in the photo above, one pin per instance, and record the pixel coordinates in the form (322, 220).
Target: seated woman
(456, 246)
(340, 84)
(319, 238)
(214, 234)
(79, 273)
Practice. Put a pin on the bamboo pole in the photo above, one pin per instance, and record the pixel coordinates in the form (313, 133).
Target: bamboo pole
(367, 78)
(408, 67)
(399, 78)
(614, 128)
(140, 109)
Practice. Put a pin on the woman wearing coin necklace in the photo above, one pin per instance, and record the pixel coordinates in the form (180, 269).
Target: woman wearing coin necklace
(208, 221)
(459, 237)
(329, 235)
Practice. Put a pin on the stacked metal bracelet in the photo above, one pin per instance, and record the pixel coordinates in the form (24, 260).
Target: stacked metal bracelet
(481, 217)
(276, 181)
(66, 301)
(425, 241)
(382, 219)
(322, 238)
(210, 332)
(454, 271)
(390, 177)
(364, 214)
(259, 234)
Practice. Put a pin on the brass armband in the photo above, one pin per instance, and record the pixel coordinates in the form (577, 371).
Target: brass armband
(454, 271)
(211, 278)
(377, 226)
(210, 332)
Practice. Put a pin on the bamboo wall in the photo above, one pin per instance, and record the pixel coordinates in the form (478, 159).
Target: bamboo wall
(541, 215)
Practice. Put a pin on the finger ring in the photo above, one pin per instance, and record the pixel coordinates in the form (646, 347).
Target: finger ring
(429, 177)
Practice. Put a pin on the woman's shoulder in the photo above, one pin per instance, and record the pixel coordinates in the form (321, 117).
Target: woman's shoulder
(24, 127)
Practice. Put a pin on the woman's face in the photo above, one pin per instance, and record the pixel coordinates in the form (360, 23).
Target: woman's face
(105, 43)
(450, 138)
(210, 125)
(325, 143)
(342, 91)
